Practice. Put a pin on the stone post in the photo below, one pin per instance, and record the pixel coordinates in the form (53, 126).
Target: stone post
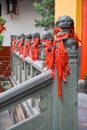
(66, 108)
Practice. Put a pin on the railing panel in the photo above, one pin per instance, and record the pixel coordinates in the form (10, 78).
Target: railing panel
(56, 102)
(40, 88)
(42, 119)
(24, 89)
(35, 123)
(23, 70)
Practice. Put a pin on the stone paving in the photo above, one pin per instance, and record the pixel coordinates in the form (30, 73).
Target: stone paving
(82, 111)
(5, 120)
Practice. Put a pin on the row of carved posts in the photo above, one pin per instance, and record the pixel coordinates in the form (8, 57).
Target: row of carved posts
(50, 47)
(59, 51)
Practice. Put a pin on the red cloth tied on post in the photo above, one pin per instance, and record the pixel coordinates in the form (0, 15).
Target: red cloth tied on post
(34, 49)
(26, 49)
(13, 47)
(61, 55)
(49, 58)
(20, 46)
(56, 30)
(61, 60)
(67, 35)
(24, 52)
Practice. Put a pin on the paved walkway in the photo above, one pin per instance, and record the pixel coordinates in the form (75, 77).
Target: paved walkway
(5, 120)
(82, 111)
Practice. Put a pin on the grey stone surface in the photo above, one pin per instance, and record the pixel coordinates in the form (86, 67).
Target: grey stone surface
(82, 111)
(5, 120)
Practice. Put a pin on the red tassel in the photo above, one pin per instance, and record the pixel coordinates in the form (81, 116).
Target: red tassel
(59, 88)
(61, 65)
(13, 47)
(34, 49)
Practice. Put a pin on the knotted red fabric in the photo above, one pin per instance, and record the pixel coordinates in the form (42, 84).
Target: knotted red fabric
(34, 49)
(61, 55)
(28, 46)
(68, 35)
(20, 46)
(13, 46)
(26, 49)
(49, 58)
(61, 60)
(24, 52)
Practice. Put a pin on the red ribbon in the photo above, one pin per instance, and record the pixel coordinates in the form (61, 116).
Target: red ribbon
(56, 30)
(14, 41)
(61, 59)
(26, 49)
(20, 46)
(49, 51)
(61, 56)
(34, 49)
(24, 52)
(67, 35)
(2, 28)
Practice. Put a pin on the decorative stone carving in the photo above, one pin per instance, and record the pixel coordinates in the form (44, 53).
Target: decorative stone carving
(35, 46)
(45, 37)
(43, 103)
(66, 33)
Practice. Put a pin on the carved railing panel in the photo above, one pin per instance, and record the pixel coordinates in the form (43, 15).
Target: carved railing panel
(18, 101)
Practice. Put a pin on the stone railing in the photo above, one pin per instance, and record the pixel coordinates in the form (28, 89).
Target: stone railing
(34, 103)
(47, 103)
(22, 70)
(32, 114)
